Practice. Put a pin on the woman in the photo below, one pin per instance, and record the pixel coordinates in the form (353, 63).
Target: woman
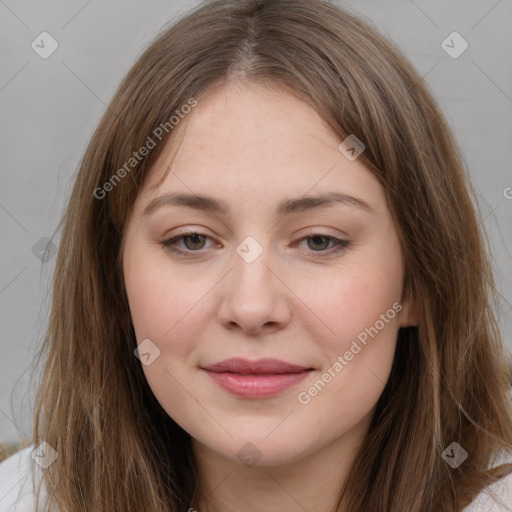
(271, 291)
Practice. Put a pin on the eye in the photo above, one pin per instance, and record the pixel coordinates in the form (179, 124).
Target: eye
(319, 243)
(193, 242)
(316, 243)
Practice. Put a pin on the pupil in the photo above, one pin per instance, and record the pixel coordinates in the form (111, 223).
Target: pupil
(319, 239)
(195, 238)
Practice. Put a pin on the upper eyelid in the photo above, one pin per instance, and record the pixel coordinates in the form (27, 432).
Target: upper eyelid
(309, 234)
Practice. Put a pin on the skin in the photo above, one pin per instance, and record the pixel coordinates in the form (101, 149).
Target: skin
(251, 147)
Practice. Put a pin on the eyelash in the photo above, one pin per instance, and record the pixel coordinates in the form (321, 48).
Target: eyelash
(339, 246)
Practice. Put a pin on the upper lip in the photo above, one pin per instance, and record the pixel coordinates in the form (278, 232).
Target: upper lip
(262, 366)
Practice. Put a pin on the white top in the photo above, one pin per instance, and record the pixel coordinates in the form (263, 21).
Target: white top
(16, 486)
(17, 495)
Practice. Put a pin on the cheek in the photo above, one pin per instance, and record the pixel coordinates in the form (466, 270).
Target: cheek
(359, 312)
(165, 307)
(346, 303)
(161, 300)
(357, 360)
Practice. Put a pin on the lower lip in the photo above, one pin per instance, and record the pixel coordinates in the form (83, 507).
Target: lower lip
(257, 386)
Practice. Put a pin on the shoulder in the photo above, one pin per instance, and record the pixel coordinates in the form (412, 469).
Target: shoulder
(497, 497)
(16, 482)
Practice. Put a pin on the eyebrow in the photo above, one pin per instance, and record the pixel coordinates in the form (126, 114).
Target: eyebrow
(284, 207)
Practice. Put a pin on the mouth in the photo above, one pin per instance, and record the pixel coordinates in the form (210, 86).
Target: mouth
(256, 379)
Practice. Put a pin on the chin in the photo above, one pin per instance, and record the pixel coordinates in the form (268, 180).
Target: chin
(255, 448)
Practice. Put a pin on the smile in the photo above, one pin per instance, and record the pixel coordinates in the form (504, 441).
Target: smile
(256, 379)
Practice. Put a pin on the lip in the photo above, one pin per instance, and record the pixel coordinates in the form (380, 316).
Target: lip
(256, 379)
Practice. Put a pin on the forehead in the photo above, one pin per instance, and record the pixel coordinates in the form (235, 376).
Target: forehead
(237, 120)
(253, 141)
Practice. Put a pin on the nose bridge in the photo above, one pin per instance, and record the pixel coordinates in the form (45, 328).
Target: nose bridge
(252, 260)
(252, 278)
(253, 296)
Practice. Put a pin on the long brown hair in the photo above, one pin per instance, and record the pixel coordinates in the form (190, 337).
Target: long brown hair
(117, 448)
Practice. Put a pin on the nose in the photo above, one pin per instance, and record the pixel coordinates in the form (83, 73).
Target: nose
(254, 298)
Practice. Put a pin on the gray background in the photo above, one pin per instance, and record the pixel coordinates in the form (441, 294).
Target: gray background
(50, 107)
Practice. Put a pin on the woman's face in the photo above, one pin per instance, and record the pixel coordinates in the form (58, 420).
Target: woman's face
(287, 252)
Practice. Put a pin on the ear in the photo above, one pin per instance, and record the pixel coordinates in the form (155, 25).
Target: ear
(409, 315)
